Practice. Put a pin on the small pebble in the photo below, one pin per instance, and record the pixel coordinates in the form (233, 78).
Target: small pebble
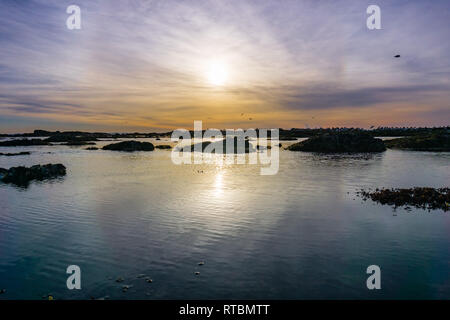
(125, 288)
(149, 280)
(120, 279)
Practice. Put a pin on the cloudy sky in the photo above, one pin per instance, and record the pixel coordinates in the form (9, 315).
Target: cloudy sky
(161, 64)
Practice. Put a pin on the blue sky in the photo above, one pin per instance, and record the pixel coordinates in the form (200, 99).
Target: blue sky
(146, 65)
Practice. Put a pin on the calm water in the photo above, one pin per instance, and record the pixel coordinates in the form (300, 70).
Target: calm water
(299, 234)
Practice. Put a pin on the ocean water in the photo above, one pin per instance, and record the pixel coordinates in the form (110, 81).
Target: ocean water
(299, 234)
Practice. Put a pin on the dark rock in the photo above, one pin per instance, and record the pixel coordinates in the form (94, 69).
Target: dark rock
(3, 173)
(71, 137)
(248, 147)
(126, 287)
(24, 143)
(340, 143)
(163, 146)
(43, 133)
(130, 146)
(23, 175)
(425, 198)
(78, 143)
(26, 153)
(287, 139)
(91, 148)
(433, 142)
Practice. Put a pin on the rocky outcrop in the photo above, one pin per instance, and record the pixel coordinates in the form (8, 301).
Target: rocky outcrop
(221, 146)
(71, 137)
(340, 143)
(433, 142)
(25, 153)
(163, 146)
(24, 143)
(130, 146)
(23, 175)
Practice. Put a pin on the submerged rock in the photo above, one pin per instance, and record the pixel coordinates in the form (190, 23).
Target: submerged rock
(23, 175)
(434, 142)
(25, 153)
(340, 143)
(424, 198)
(163, 146)
(24, 143)
(78, 143)
(130, 146)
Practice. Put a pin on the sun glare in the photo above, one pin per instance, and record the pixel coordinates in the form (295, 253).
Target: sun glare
(217, 73)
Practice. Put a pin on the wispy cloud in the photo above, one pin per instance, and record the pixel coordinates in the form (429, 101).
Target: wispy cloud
(142, 64)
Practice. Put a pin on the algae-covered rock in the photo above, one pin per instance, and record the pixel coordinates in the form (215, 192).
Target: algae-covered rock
(23, 175)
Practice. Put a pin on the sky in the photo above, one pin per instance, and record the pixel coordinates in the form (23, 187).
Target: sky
(161, 64)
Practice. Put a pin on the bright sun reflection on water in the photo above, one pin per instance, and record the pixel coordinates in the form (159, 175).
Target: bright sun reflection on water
(218, 184)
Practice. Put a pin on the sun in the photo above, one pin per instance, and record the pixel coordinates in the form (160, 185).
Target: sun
(217, 73)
